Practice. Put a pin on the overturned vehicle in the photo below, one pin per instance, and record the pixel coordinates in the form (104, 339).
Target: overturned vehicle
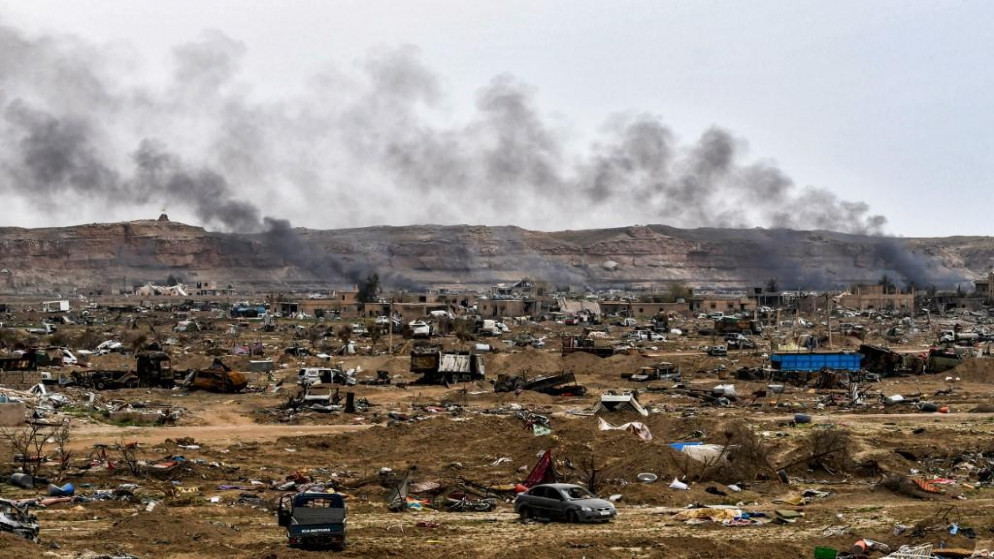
(561, 384)
(16, 519)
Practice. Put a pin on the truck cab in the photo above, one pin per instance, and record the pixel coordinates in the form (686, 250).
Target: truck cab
(154, 369)
(313, 520)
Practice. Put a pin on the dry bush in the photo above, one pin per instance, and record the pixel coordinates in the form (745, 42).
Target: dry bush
(87, 339)
(830, 451)
(135, 340)
(129, 457)
(825, 450)
(30, 443)
(10, 338)
(59, 339)
(745, 457)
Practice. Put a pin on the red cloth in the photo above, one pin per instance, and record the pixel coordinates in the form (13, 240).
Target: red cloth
(542, 472)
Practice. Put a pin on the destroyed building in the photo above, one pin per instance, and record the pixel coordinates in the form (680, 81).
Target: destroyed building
(865, 297)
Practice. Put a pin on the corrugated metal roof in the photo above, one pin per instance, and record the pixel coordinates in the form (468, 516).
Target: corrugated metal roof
(454, 363)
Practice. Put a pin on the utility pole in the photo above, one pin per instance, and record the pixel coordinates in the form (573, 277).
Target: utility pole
(829, 320)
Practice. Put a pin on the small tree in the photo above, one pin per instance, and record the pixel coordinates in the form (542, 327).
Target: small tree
(136, 341)
(58, 339)
(86, 339)
(62, 436)
(345, 333)
(772, 285)
(375, 334)
(129, 457)
(314, 335)
(679, 291)
(463, 330)
(29, 444)
(589, 469)
(10, 338)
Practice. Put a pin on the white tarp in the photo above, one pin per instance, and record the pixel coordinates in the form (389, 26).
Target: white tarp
(638, 428)
(706, 453)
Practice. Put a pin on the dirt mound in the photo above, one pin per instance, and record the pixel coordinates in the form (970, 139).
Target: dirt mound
(148, 531)
(527, 360)
(973, 370)
(112, 362)
(183, 362)
(582, 362)
(16, 546)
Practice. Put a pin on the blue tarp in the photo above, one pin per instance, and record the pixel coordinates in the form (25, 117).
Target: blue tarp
(679, 446)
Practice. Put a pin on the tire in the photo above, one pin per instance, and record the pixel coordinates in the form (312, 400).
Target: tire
(524, 513)
(571, 517)
(100, 385)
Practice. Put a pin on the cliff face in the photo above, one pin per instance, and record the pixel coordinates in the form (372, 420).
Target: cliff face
(111, 256)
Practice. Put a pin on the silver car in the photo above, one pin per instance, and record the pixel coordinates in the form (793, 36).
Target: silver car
(563, 501)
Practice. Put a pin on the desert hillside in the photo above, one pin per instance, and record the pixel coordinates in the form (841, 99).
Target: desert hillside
(112, 255)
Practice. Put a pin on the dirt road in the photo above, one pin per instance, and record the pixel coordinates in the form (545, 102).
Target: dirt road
(86, 436)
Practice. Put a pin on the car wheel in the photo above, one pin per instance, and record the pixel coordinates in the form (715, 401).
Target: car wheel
(572, 517)
(524, 513)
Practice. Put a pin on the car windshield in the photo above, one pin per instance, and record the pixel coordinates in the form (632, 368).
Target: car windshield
(578, 493)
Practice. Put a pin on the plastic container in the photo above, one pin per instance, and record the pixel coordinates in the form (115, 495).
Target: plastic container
(24, 481)
(825, 553)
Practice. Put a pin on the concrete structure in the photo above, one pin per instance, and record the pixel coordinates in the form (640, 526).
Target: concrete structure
(985, 287)
(576, 308)
(722, 303)
(212, 289)
(635, 309)
(343, 304)
(877, 297)
(500, 308)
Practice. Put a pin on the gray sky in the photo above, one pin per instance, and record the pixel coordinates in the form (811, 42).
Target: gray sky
(881, 102)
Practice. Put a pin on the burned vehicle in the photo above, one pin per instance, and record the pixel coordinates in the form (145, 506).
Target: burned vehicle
(323, 375)
(574, 344)
(16, 519)
(217, 378)
(718, 351)
(102, 380)
(154, 369)
(313, 520)
(561, 384)
(213, 380)
(659, 371)
(563, 501)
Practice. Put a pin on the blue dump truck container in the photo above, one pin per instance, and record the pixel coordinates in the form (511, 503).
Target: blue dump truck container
(810, 362)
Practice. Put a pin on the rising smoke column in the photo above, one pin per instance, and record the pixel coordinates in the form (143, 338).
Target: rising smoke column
(354, 147)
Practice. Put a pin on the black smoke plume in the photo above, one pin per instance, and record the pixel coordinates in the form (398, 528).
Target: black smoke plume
(82, 130)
